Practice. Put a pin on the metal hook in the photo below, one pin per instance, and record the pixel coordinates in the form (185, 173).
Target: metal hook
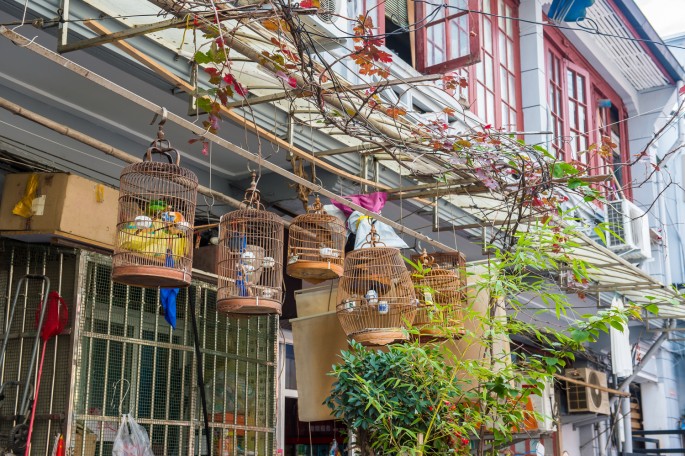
(165, 115)
(121, 402)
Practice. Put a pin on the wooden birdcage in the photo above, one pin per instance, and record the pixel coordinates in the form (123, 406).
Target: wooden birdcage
(440, 286)
(250, 258)
(154, 242)
(316, 245)
(376, 298)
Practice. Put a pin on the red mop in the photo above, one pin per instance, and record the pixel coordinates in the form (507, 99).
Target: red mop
(56, 319)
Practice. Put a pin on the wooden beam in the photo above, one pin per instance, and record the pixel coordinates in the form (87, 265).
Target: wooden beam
(590, 385)
(230, 114)
(134, 98)
(298, 92)
(433, 185)
(452, 190)
(124, 34)
(349, 149)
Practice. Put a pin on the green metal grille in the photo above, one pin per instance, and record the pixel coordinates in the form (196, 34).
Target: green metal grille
(130, 360)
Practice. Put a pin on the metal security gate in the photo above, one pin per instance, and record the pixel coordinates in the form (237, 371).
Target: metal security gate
(120, 356)
(131, 361)
(17, 260)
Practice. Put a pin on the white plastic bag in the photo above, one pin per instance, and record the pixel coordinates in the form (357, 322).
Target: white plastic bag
(131, 439)
(360, 224)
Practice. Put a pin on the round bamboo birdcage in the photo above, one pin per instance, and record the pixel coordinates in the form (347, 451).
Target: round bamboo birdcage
(154, 241)
(316, 245)
(376, 298)
(250, 258)
(440, 285)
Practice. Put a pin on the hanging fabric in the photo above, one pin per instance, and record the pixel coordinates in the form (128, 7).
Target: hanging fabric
(621, 358)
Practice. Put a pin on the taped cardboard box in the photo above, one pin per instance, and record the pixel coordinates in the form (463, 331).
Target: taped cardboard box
(64, 206)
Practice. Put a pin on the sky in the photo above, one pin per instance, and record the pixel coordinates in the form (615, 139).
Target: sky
(666, 16)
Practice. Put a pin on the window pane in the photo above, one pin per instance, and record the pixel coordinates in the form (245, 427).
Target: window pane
(512, 120)
(502, 49)
(505, 116)
(486, 6)
(510, 22)
(571, 79)
(480, 100)
(572, 114)
(580, 88)
(459, 37)
(479, 71)
(512, 91)
(503, 73)
(435, 44)
(460, 4)
(487, 35)
(582, 119)
(491, 107)
(510, 54)
(488, 71)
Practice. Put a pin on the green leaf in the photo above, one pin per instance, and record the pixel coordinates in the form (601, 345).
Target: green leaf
(201, 58)
(574, 183)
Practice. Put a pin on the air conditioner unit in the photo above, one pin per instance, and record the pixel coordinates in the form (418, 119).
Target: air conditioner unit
(585, 398)
(328, 28)
(628, 233)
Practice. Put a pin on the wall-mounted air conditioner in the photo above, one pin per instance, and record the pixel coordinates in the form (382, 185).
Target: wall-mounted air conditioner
(585, 398)
(628, 233)
(328, 28)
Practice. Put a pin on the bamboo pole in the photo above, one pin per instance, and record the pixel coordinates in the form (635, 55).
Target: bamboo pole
(198, 130)
(99, 145)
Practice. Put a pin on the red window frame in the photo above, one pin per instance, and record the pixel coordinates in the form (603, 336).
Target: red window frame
(422, 36)
(555, 100)
(494, 100)
(596, 88)
(579, 135)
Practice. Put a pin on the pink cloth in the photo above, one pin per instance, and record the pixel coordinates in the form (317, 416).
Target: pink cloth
(371, 201)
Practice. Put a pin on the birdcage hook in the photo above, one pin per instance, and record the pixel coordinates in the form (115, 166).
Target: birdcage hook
(373, 239)
(123, 398)
(426, 260)
(253, 197)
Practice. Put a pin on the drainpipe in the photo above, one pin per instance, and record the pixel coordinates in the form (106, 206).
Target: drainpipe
(625, 385)
(668, 278)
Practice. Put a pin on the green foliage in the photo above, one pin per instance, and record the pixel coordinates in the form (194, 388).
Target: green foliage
(427, 393)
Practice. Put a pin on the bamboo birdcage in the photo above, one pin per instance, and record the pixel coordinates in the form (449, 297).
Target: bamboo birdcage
(441, 289)
(316, 245)
(154, 241)
(376, 298)
(250, 258)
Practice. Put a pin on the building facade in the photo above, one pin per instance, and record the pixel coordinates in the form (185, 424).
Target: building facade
(567, 87)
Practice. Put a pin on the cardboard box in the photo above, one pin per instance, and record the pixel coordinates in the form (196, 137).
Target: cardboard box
(316, 300)
(87, 449)
(74, 208)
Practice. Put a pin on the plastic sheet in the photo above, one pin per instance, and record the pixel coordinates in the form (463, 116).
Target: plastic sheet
(131, 439)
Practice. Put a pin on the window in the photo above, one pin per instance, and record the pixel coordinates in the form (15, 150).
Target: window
(495, 79)
(576, 84)
(447, 35)
(569, 98)
(556, 106)
(583, 109)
